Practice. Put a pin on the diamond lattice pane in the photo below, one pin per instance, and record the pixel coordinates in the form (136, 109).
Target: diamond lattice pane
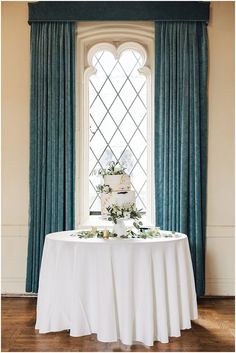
(118, 144)
(106, 63)
(138, 144)
(98, 80)
(137, 80)
(92, 163)
(143, 127)
(142, 195)
(128, 160)
(138, 110)
(128, 94)
(117, 77)
(97, 144)
(138, 177)
(92, 92)
(118, 119)
(107, 94)
(117, 111)
(97, 110)
(97, 57)
(143, 95)
(108, 128)
(128, 127)
(128, 62)
(94, 199)
(106, 157)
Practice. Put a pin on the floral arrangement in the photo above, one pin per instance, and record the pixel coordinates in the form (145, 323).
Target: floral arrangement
(125, 211)
(114, 168)
(104, 188)
(140, 234)
(150, 233)
(90, 234)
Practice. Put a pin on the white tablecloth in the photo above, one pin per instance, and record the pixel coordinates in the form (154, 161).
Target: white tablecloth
(128, 289)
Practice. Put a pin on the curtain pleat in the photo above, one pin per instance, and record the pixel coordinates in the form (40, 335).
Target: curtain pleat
(52, 138)
(181, 134)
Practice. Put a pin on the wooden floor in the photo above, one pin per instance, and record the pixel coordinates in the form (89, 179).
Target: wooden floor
(212, 332)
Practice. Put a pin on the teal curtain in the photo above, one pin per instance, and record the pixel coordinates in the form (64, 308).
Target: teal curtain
(181, 134)
(52, 138)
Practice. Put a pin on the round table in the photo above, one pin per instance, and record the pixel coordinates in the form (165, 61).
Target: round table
(128, 289)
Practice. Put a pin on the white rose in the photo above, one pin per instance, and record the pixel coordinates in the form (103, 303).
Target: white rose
(106, 189)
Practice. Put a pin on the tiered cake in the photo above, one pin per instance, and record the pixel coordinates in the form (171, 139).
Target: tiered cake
(116, 190)
(120, 193)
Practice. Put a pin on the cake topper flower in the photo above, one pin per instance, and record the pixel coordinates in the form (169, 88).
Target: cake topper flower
(114, 168)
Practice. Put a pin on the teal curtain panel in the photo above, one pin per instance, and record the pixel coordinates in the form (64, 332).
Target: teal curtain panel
(52, 138)
(181, 134)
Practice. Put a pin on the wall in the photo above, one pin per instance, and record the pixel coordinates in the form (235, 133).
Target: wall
(15, 147)
(220, 189)
(15, 143)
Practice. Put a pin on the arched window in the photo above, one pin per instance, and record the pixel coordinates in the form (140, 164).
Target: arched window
(116, 115)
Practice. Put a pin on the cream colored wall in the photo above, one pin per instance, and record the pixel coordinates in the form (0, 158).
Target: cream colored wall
(220, 188)
(15, 148)
(15, 143)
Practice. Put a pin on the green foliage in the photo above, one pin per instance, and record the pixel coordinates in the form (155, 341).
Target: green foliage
(114, 168)
(103, 188)
(127, 211)
(130, 233)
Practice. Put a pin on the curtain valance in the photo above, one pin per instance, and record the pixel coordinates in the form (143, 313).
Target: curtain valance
(73, 11)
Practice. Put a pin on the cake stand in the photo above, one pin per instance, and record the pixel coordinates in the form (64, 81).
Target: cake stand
(119, 228)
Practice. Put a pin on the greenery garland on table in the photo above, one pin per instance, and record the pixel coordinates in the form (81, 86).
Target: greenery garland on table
(151, 233)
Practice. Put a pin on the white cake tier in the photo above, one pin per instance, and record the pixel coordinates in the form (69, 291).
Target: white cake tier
(120, 198)
(118, 182)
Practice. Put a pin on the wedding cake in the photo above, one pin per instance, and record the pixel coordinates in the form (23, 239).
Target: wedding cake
(116, 189)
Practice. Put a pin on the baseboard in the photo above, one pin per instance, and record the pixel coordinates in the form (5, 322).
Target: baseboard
(217, 297)
(18, 295)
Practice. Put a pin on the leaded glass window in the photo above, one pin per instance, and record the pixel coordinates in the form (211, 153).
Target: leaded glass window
(118, 120)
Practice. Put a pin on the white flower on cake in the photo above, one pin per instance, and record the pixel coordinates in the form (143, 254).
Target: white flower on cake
(127, 210)
(114, 168)
(104, 188)
(118, 169)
